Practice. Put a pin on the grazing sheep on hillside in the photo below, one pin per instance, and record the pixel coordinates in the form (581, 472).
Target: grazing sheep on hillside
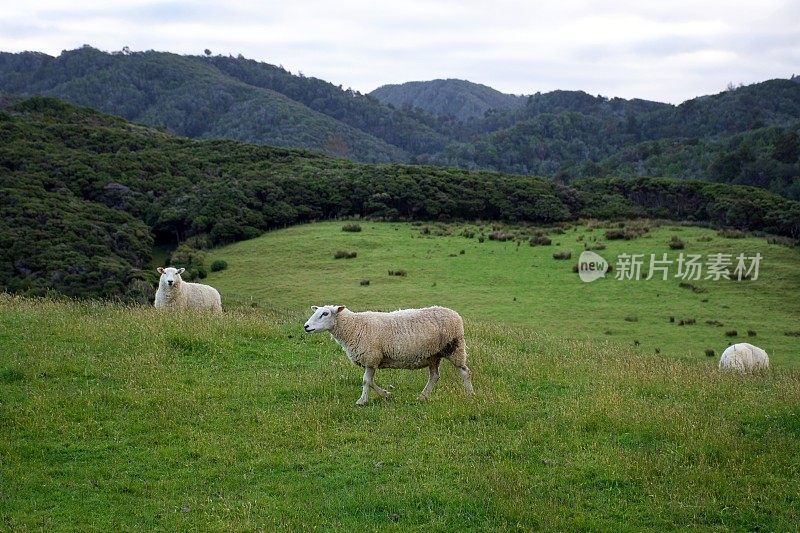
(410, 338)
(174, 293)
(743, 357)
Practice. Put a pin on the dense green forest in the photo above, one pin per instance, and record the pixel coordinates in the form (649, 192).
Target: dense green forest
(85, 196)
(746, 135)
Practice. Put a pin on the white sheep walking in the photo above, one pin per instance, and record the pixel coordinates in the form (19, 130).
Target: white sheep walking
(174, 293)
(410, 338)
(743, 357)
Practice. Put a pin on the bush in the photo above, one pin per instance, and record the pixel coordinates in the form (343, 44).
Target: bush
(564, 254)
(676, 244)
(692, 287)
(732, 234)
(364, 282)
(731, 333)
(598, 246)
(345, 254)
(687, 322)
(541, 240)
(218, 265)
(751, 333)
(353, 228)
(631, 319)
(710, 353)
(501, 236)
(615, 235)
(401, 273)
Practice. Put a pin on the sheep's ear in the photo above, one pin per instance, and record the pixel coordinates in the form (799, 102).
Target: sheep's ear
(314, 308)
(340, 308)
(160, 270)
(181, 271)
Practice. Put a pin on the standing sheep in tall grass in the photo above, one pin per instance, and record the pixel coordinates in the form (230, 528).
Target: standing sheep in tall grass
(743, 357)
(409, 338)
(174, 293)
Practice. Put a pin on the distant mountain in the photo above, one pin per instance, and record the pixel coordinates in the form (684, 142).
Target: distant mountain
(562, 134)
(448, 98)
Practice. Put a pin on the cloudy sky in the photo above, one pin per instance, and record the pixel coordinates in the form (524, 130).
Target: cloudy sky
(661, 50)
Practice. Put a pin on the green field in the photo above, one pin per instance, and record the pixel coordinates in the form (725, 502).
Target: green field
(120, 418)
(523, 286)
(124, 418)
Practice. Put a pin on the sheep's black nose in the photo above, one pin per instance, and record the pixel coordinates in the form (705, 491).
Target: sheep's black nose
(169, 283)
(306, 327)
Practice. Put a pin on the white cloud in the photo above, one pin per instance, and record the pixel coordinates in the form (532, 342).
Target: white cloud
(661, 50)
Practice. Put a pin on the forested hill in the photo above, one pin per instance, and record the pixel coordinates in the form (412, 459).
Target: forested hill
(749, 132)
(84, 197)
(460, 99)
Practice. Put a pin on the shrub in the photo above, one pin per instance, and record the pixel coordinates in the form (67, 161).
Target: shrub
(792, 333)
(401, 273)
(676, 244)
(353, 228)
(462, 252)
(731, 333)
(631, 319)
(687, 322)
(218, 265)
(598, 246)
(564, 254)
(671, 319)
(425, 230)
(541, 240)
(481, 238)
(468, 233)
(615, 235)
(705, 238)
(715, 323)
(710, 353)
(501, 236)
(732, 234)
(364, 282)
(751, 333)
(693, 288)
(345, 254)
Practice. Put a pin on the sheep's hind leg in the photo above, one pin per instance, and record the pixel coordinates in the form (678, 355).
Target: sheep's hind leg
(432, 379)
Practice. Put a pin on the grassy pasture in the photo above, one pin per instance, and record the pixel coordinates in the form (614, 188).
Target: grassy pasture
(523, 286)
(120, 418)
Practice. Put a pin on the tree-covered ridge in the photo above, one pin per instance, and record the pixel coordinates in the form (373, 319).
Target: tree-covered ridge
(86, 195)
(562, 134)
(460, 99)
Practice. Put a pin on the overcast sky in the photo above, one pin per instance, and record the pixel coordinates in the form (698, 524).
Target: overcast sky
(660, 50)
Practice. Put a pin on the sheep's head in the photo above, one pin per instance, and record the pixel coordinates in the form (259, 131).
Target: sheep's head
(170, 277)
(323, 318)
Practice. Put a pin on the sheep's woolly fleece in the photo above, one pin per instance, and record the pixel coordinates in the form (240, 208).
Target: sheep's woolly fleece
(409, 338)
(743, 357)
(184, 295)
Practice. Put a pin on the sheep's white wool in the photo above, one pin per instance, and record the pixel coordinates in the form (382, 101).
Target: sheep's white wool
(743, 357)
(174, 293)
(408, 338)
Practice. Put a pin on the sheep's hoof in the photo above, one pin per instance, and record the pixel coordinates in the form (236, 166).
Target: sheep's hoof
(422, 397)
(387, 395)
(361, 403)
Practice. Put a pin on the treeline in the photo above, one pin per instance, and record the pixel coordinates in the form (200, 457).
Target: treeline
(85, 196)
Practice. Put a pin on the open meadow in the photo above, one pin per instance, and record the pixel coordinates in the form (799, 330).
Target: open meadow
(518, 285)
(118, 417)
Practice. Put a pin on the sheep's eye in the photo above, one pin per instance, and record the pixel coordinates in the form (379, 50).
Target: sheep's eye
(325, 313)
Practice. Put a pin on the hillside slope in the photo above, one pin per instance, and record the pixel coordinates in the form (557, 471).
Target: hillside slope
(188, 96)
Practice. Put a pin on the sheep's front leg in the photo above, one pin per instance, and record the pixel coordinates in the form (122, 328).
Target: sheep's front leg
(432, 379)
(369, 383)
